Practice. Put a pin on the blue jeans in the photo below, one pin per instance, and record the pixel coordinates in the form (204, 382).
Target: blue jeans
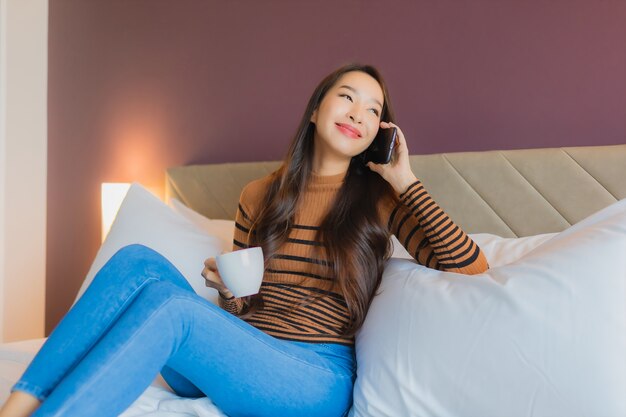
(140, 317)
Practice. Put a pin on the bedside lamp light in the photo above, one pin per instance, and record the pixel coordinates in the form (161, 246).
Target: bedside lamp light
(112, 195)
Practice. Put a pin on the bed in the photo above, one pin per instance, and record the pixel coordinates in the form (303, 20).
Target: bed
(542, 334)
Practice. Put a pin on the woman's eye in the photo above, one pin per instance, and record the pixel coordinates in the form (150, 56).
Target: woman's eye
(375, 111)
(346, 96)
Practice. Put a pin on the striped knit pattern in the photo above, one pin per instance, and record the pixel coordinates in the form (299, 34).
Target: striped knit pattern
(300, 271)
(430, 236)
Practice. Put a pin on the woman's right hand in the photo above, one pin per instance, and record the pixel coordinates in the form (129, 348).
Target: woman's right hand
(213, 279)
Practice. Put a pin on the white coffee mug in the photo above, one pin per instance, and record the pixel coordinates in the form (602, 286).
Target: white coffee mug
(242, 270)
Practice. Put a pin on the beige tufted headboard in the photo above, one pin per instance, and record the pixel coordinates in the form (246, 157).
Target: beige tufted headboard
(508, 193)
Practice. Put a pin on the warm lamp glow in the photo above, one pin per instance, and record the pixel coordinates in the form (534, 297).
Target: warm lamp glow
(112, 195)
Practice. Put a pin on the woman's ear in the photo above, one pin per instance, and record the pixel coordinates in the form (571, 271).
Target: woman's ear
(314, 116)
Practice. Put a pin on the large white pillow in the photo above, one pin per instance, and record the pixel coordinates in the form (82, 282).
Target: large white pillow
(144, 219)
(544, 336)
(224, 230)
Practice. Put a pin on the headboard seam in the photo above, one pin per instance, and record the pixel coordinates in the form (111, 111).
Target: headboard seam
(550, 203)
(589, 173)
(445, 158)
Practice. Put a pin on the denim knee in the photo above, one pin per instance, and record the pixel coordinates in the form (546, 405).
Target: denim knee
(135, 253)
(133, 266)
(160, 292)
(137, 261)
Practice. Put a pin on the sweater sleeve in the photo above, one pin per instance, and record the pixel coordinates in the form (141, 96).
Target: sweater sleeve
(243, 222)
(431, 237)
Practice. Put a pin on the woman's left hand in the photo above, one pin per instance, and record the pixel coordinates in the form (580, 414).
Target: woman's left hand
(398, 172)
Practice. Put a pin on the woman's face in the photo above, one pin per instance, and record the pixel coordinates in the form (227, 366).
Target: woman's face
(348, 116)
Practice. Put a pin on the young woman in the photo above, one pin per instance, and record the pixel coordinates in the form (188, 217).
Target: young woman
(324, 221)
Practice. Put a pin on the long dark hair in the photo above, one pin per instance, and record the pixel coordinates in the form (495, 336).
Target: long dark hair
(355, 241)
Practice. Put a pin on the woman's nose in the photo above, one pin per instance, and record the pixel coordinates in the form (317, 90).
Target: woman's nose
(355, 116)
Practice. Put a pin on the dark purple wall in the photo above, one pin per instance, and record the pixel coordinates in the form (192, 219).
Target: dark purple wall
(137, 86)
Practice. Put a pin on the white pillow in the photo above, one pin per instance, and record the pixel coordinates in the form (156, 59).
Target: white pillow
(144, 219)
(498, 250)
(505, 250)
(398, 249)
(543, 336)
(224, 230)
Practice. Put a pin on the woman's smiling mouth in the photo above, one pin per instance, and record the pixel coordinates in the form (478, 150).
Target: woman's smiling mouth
(349, 130)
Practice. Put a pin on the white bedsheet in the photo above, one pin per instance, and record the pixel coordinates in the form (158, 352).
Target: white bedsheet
(156, 401)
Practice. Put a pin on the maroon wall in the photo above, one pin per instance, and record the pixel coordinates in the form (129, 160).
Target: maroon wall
(137, 86)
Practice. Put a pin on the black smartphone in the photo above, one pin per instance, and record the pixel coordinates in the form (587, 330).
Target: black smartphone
(381, 149)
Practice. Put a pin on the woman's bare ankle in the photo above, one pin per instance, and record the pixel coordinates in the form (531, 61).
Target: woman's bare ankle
(19, 404)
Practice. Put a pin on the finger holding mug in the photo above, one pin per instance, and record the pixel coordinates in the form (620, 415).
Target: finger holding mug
(213, 279)
(242, 271)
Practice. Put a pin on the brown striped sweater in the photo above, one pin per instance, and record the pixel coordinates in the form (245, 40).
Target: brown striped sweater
(298, 270)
